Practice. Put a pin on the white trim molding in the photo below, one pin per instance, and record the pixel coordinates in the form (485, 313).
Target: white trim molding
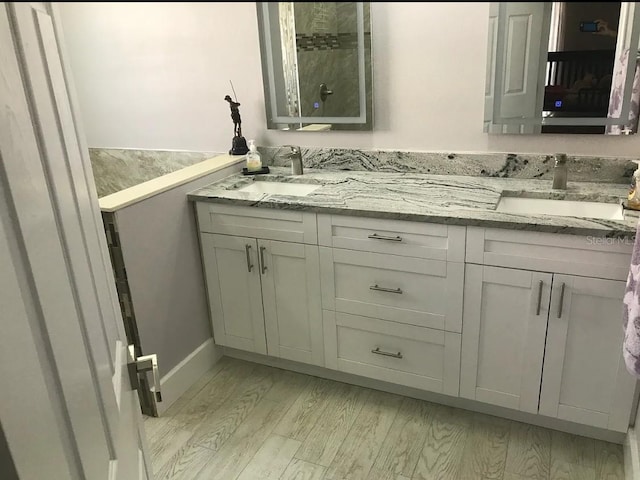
(187, 372)
(631, 456)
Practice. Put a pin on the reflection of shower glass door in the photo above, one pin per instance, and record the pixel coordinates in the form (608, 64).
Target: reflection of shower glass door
(289, 57)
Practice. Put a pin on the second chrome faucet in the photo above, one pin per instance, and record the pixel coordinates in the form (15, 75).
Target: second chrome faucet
(560, 172)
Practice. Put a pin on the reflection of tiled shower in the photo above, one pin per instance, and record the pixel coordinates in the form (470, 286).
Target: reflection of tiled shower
(319, 45)
(289, 61)
(322, 17)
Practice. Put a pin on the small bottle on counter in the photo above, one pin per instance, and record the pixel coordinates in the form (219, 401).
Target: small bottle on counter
(633, 199)
(254, 162)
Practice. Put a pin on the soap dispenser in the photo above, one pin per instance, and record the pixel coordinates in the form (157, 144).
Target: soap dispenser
(254, 163)
(633, 199)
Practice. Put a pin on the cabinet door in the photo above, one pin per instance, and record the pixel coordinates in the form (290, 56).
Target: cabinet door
(233, 286)
(291, 299)
(503, 336)
(585, 379)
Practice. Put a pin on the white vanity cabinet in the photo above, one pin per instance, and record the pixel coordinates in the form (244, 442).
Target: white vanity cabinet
(235, 292)
(522, 320)
(546, 342)
(584, 378)
(392, 299)
(264, 293)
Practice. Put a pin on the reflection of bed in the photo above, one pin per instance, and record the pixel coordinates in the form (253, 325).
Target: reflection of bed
(578, 83)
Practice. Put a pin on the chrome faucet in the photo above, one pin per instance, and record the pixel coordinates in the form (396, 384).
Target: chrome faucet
(296, 159)
(560, 172)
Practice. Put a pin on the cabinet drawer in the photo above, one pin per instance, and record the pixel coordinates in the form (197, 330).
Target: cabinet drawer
(397, 237)
(283, 225)
(404, 354)
(415, 291)
(599, 257)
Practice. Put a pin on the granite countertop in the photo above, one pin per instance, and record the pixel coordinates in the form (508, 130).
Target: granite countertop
(449, 199)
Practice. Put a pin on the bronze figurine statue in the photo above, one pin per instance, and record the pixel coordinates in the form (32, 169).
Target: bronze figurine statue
(239, 144)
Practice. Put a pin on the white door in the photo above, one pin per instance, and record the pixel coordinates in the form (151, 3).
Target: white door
(67, 407)
(503, 336)
(521, 61)
(291, 298)
(585, 379)
(489, 84)
(235, 296)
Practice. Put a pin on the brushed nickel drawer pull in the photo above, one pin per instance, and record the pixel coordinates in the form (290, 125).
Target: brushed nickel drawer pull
(377, 351)
(249, 264)
(264, 265)
(388, 290)
(561, 301)
(539, 297)
(375, 236)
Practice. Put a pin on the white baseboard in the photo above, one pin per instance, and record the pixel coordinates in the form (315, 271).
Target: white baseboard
(187, 372)
(631, 456)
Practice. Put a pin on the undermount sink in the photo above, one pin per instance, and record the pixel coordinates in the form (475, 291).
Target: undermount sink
(280, 188)
(562, 208)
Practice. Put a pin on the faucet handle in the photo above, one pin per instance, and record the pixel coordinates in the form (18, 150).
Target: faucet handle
(561, 158)
(294, 148)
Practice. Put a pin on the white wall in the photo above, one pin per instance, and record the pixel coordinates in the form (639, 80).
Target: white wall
(155, 75)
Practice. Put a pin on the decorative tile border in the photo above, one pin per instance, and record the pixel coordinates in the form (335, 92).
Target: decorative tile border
(327, 41)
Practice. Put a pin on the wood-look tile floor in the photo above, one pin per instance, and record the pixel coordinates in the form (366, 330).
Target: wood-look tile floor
(248, 422)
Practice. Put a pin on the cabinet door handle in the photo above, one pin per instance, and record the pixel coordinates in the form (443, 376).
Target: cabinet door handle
(383, 289)
(561, 301)
(247, 249)
(377, 351)
(375, 236)
(263, 265)
(540, 284)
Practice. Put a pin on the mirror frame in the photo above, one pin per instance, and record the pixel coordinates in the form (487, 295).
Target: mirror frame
(364, 121)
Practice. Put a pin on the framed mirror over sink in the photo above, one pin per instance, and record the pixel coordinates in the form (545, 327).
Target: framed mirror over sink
(563, 67)
(316, 65)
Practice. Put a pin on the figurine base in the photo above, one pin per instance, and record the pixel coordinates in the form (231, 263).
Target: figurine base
(262, 171)
(239, 146)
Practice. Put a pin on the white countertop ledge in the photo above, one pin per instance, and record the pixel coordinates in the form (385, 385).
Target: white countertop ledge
(131, 195)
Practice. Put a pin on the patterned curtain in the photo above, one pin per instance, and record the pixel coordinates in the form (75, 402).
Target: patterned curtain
(616, 99)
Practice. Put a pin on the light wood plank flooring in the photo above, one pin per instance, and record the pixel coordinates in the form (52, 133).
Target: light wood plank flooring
(247, 421)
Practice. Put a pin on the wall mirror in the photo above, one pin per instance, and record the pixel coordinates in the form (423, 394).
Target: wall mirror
(563, 67)
(316, 65)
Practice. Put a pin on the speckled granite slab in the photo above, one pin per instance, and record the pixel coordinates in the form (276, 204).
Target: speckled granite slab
(450, 199)
(501, 165)
(117, 169)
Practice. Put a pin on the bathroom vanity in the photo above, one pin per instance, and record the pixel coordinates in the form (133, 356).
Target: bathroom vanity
(420, 281)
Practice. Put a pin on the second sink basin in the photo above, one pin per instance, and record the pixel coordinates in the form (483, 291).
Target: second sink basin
(563, 208)
(280, 188)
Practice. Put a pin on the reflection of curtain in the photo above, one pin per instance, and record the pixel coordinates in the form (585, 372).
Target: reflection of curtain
(289, 56)
(616, 100)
